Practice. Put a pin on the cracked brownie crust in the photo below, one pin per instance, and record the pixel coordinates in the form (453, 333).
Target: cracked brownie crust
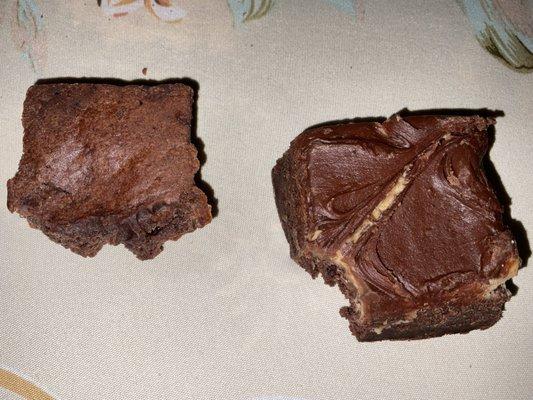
(401, 217)
(109, 164)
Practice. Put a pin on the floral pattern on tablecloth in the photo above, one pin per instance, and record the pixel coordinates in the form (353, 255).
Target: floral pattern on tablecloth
(165, 10)
(503, 27)
(28, 33)
(170, 11)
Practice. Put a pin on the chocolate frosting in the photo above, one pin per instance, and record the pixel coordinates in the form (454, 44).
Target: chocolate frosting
(406, 207)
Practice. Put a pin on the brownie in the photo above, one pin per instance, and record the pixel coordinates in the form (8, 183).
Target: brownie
(109, 164)
(401, 217)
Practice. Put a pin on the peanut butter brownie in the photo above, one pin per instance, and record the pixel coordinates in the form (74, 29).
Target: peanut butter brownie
(401, 217)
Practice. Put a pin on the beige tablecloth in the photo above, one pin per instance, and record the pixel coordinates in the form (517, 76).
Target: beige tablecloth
(224, 313)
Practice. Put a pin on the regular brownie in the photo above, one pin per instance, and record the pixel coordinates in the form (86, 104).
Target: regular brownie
(401, 217)
(109, 164)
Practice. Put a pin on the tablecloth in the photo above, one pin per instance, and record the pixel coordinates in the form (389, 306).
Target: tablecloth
(224, 313)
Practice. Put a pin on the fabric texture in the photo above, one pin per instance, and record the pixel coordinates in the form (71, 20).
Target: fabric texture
(224, 313)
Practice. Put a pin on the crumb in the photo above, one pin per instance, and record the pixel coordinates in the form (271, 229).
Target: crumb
(144, 71)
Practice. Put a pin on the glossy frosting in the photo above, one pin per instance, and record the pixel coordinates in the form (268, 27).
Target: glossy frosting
(406, 207)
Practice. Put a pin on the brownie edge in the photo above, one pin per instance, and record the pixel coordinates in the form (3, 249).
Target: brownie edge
(105, 164)
(400, 216)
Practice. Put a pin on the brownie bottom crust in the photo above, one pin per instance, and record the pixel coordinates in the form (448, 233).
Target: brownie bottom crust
(143, 233)
(426, 322)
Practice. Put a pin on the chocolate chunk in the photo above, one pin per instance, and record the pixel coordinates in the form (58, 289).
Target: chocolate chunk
(401, 217)
(109, 164)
